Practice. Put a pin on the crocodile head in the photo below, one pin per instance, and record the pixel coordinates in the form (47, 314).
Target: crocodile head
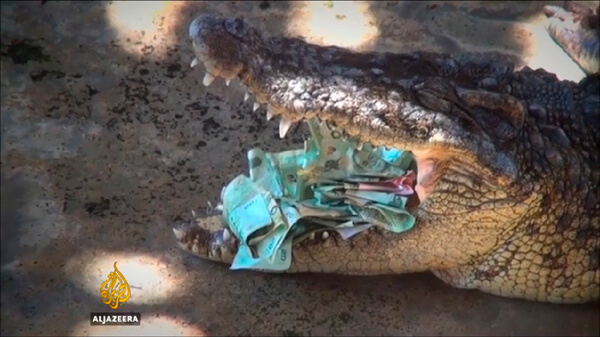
(504, 179)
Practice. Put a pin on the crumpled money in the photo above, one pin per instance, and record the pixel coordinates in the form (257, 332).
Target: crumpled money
(333, 183)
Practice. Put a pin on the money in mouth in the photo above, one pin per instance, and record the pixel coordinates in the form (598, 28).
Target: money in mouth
(334, 183)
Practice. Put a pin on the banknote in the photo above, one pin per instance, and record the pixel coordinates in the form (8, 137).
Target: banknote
(281, 261)
(382, 209)
(308, 209)
(267, 247)
(338, 199)
(350, 231)
(333, 183)
(366, 197)
(262, 172)
(278, 172)
(244, 208)
(338, 159)
(393, 219)
(391, 187)
(251, 210)
(287, 164)
(340, 222)
(398, 158)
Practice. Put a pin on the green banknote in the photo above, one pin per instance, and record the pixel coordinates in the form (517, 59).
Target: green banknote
(281, 261)
(393, 219)
(287, 165)
(263, 173)
(268, 246)
(338, 158)
(332, 183)
(244, 208)
(249, 209)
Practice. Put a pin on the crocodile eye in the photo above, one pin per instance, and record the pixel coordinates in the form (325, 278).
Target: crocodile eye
(421, 131)
(235, 26)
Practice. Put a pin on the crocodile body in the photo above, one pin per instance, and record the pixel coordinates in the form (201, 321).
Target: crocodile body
(508, 176)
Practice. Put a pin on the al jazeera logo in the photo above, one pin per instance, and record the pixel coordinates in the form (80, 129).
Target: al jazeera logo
(114, 292)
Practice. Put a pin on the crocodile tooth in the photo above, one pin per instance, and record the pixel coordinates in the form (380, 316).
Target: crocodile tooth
(325, 235)
(178, 233)
(270, 113)
(226, 234)
(219, 207)
(255, 106)
(227, 81)
(193, 214)
(312, 236)
(284, 127)
(359, 146)
(246, 96)
(208, 79)
(194, 63)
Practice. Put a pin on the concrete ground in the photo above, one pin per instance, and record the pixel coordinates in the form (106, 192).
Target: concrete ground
(108, 140)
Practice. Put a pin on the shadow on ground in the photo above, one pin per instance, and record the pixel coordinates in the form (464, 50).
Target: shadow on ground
(108, 139)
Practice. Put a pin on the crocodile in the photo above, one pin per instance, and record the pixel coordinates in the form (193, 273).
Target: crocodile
(507, 160)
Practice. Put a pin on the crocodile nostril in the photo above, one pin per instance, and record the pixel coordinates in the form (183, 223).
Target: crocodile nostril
(235, 26)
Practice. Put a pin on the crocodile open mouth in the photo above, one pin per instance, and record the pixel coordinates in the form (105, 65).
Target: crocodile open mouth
(421, 103)
(430, 109)
(294, 92)
(425, 165)
(423, 169)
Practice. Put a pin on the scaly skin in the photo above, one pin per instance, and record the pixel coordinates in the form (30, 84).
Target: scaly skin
(507, 161)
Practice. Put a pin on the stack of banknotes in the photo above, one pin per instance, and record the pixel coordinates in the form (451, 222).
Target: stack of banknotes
(334, 183)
